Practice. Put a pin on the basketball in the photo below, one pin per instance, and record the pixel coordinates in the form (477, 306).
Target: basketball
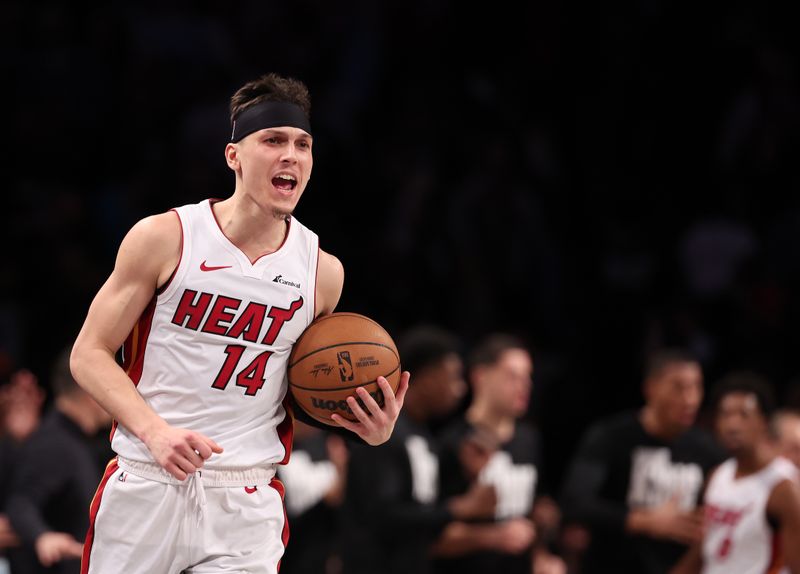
(336, 354)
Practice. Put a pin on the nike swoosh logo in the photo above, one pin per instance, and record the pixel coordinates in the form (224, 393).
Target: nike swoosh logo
(250, 489)
(204, 267)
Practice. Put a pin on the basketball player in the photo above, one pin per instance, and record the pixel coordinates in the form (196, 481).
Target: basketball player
(392, 513)
(752, 501)
(637, 477)
(209, 299)
(501, 371)
(786, 428)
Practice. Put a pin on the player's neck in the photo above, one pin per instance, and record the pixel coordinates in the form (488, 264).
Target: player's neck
(500, 424)
(256, 230)
(756, 459)
(654, 426)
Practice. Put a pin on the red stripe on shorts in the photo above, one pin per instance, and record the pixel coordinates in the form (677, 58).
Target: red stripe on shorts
(111, 468)
(286, 429)
(278, 485)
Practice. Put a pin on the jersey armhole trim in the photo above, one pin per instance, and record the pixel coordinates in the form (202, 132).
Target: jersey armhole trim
(315, 275)
(166, 291)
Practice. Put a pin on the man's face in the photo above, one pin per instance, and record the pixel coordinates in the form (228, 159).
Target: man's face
(740, 423)
(275, 166)
(443, 385)
(675, 393)
(507, 384)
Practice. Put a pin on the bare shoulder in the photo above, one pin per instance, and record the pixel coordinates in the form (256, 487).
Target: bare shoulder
(330, 268)
(330, 280)
(152, 247)
(784, 499)
(155, 229)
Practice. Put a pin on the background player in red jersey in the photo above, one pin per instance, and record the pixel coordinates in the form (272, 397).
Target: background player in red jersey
(271, 155)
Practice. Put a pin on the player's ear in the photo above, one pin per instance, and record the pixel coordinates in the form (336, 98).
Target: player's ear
(232, 157)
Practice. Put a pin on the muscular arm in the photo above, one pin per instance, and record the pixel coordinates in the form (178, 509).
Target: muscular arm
(146, 258)
(330, 280)
(784, 506)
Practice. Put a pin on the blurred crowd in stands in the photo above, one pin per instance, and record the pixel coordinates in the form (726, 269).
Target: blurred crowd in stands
(601, 185)
(460, 487)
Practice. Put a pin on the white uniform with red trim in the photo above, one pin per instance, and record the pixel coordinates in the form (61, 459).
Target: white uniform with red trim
(738, 535)
(209, 354)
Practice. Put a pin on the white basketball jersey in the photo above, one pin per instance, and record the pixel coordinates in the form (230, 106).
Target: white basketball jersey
(210, 351)
(738, 536)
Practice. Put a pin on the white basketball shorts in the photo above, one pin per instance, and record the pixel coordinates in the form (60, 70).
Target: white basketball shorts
(144, 521)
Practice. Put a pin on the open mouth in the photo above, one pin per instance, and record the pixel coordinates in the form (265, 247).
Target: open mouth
(284, 182)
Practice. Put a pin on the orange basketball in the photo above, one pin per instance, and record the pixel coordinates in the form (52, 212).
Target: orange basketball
(336, 354)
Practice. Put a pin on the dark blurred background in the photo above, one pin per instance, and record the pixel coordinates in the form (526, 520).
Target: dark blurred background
(602, 180)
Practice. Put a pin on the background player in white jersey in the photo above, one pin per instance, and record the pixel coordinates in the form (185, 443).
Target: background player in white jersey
(752, 502)
(209, 299)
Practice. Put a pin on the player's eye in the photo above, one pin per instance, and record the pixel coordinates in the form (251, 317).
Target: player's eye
(304, 144)
(272, 140)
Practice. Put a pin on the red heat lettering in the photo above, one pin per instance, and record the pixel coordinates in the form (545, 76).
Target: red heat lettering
(249, 323)
(220, 313)
(279, 317)
(188, 308)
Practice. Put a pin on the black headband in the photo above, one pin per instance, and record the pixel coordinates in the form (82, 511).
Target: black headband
(269, 115)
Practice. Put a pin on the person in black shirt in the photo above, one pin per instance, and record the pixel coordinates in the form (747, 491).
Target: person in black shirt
(55, 479)
(501, 370)
(636, 478)
(20, 413)
(391, 513)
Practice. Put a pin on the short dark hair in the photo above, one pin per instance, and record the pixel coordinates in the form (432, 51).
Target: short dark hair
(61, 380)
(749, 383)
(270, 88)
(425, 346)
(489, 350)
(657, 361)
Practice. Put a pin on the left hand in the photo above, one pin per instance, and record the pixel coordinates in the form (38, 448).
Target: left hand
(376, 426)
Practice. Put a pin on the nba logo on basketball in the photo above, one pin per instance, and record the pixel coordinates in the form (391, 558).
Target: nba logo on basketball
(345, 366)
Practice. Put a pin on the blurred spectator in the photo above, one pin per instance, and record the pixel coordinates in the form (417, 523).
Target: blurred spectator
(636, 479)
(20, 406)
(786, 429)
(315, 479)
(54, 480)
(20, 411)
(491, 445)
(391, 515)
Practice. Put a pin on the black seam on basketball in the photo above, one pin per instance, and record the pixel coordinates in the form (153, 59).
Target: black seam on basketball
(342, 345)
(389, 374)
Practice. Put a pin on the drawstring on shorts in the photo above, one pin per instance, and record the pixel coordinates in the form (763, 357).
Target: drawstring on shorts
(198, 493)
